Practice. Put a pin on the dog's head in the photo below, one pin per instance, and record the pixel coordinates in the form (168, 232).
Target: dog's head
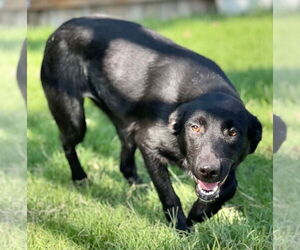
(215, 133)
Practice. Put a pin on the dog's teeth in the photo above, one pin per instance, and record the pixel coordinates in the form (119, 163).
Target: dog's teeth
(207, 192)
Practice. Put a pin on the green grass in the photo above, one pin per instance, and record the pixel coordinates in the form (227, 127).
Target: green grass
(12, 144)
(286, 105)
(108, 214)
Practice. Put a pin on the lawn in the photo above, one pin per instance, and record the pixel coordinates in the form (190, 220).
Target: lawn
(12, 143)
(108, 214)
(286, 104)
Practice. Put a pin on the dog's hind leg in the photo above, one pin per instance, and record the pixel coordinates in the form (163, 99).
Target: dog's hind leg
(127, 160)
(68, 113)
(75, 133)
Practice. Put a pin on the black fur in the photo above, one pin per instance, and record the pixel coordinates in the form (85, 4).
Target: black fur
(156, 93)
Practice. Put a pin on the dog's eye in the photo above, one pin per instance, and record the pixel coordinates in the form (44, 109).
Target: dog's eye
(197, 129)
(232, 132)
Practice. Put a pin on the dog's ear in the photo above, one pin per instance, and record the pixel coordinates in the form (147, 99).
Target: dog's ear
(254, 133)
(176, 120)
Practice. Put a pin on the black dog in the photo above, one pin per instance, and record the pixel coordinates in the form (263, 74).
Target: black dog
(173, 104)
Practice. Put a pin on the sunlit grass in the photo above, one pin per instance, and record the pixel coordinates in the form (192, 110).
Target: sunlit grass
(12, 144)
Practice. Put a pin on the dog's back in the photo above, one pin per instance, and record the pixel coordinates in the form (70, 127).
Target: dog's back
(122, 64)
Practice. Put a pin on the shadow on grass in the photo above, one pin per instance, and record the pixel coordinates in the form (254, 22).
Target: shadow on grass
(79, 236)
(10, 45)
(254, 84)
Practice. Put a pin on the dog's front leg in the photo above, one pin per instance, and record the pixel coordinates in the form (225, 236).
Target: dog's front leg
(202, 210)
(161, 180)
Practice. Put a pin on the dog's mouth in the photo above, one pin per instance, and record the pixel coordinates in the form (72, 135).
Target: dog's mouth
(209, 191)
(206, 191)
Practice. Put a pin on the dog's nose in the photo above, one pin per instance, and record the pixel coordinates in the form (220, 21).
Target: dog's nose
(209, 171)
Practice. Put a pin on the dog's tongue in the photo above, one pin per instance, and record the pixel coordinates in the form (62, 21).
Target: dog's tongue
(207, 186)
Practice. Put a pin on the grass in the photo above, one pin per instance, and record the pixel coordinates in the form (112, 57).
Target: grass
(286, 105)
(12, 144)
(108, 214)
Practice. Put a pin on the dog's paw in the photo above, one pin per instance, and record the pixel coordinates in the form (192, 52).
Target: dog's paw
(183, 230)
(135, 181)
(82, 183)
